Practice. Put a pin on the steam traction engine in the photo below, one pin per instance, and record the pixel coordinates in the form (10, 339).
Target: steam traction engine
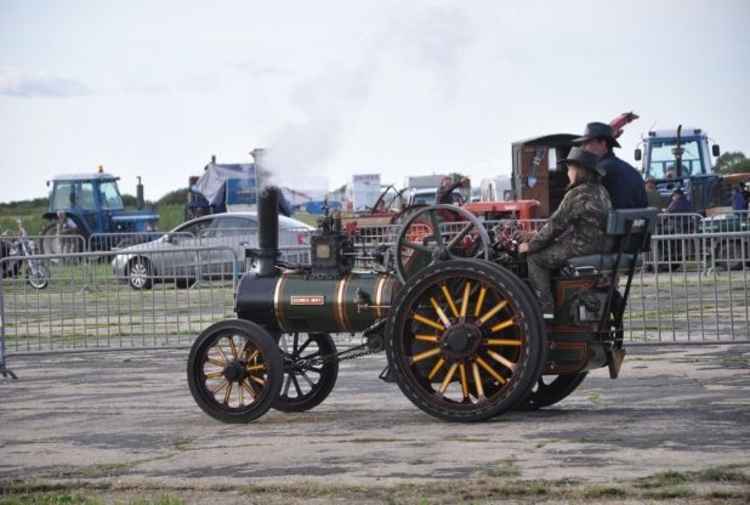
(463, 333)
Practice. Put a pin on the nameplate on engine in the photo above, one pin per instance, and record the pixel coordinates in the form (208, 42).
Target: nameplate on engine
(308, 300)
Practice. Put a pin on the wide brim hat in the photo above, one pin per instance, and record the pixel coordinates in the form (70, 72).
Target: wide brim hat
(597, 131)
(581, 157)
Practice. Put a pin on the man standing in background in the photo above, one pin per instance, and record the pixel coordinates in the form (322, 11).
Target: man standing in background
(654, 198)
(622, 181)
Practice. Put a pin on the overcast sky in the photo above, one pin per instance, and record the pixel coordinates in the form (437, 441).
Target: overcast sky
(154, 88)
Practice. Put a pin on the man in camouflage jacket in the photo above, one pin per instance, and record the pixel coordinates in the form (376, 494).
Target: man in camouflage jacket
(577, 228)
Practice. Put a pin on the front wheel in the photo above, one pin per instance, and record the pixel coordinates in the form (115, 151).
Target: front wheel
(466, 340)
(37, 277)
(234, 371)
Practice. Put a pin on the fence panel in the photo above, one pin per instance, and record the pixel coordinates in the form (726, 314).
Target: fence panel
(117, 240)
(138, 299)
(60, 244)
(674, 300)
(679, 296)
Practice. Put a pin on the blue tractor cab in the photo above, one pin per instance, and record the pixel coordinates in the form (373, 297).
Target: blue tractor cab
(89, 204)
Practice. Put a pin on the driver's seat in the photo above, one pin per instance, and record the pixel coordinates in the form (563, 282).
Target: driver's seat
(630, 231)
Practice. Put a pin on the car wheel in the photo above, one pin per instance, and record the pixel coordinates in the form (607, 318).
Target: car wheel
(140, 274)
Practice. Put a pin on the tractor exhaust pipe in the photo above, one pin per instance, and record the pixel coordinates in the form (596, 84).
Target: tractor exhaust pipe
(140, 203)
(268, 231)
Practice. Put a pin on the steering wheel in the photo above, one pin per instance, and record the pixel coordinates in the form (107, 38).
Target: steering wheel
(422, 243)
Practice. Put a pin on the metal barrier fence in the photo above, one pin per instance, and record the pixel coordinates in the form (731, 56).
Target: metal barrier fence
(115, 241)
(674, 299)
(138, 299)
(691, 289)
(69, 243)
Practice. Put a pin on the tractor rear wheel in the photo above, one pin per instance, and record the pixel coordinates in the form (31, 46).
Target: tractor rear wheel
(466, 340)
(61, 241)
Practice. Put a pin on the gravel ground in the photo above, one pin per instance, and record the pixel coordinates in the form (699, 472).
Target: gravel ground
(126, 420)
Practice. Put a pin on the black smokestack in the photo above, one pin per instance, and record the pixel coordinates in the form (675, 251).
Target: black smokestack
(268, 230)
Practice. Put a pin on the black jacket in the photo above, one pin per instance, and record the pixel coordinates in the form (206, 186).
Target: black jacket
(625, 185)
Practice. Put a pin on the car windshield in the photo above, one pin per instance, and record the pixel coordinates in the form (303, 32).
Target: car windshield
(662, 163)
(111, 198)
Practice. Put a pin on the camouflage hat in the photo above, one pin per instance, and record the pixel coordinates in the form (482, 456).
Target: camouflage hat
(597, 131)
(582, 158)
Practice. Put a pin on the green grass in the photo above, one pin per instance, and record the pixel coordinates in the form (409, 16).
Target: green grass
(728, 484)
(51, 499)
(170, 216)
(31, 218)
(81, 499)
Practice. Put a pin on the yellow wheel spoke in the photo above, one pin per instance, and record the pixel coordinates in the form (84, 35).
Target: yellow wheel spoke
(464, 380)
(425, 355)
(440, 313)
(494, 310)
(256, 367)
(233, 347)
(221, 387)
(465, 300)
(253, 356)
(436, 368)
(480, 301)
(499, 378)
(258, 380)
(448, 378)
(503, 325)
(228, 394)
(217, 362)
(477, 380)
(214, 375)
(248, 388)
(503, 341)
(221, 351)
(429, 322)
(427, 338)
(502, 360)
(241, 395)
(449, 298)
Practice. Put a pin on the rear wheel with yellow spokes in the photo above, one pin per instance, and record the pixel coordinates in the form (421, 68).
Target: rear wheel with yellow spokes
(234, 371)
(466, 339)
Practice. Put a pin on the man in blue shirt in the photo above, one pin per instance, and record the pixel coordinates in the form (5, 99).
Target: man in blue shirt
(739, 198)
(623, 182)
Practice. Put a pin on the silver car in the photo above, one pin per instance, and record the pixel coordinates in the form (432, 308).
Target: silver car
(175, 258)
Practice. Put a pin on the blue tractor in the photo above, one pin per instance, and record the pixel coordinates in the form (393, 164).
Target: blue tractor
(89, 205)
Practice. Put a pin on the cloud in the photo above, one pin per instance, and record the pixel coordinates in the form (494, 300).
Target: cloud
(258, 69)
(16, 83)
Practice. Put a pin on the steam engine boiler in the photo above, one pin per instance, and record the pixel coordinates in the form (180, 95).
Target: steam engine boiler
(326, 296)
